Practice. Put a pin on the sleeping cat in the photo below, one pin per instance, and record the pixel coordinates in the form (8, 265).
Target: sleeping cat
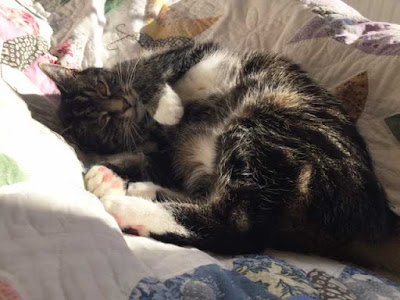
(248, 152)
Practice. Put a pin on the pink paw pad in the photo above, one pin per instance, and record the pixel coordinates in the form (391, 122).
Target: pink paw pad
(116, 184)
(108, 177)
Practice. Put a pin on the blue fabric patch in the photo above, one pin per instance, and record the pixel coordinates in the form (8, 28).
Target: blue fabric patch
(206, 282)
(255, 277)
(369, 286)
(261, 277)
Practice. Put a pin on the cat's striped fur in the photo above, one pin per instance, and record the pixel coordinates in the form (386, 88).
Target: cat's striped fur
(262, 157)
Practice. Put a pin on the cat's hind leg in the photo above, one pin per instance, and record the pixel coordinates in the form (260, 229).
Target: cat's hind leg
(184, 224)
(142, 216)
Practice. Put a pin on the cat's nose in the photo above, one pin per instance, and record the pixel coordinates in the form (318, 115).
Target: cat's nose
(126, 105)
(115, 106)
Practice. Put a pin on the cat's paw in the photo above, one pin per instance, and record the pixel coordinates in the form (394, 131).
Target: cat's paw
(146, 190)
(102, 182)
(142, 217)
(170, 109)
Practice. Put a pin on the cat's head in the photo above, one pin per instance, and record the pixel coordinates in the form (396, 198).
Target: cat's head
(99, 110)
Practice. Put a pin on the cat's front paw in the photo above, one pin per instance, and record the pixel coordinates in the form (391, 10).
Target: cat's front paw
(170, 109)
(146, 190)
(102, 182)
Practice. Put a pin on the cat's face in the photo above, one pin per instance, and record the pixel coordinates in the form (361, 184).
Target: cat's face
(100, 110)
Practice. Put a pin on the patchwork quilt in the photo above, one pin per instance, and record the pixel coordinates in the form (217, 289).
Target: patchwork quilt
(57, 242)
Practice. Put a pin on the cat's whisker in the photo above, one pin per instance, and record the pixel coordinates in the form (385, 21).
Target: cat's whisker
(126, 141)
(136, 132)
(65, 130)
(120, 71)
(129, 138)
(132, 73)
(131, 126)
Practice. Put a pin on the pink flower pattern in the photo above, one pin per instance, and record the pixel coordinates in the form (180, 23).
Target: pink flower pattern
(21, 19)
(7, 292)
(62, 50)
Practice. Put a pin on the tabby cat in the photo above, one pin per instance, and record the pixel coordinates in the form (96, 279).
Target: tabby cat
(228, 152)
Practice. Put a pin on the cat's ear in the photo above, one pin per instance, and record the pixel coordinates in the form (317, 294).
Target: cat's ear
(63, 77)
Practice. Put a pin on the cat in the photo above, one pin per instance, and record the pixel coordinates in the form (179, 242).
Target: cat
(248, 152)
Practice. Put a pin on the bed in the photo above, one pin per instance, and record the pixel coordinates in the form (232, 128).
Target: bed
(56, 240)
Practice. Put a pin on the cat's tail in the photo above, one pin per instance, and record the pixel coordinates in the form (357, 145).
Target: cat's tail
(207, 229)
(382, 257)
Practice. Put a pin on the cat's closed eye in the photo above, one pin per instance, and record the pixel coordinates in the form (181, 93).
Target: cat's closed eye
(87, 113)
(102, 87)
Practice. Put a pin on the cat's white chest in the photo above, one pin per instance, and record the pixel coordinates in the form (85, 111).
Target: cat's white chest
(211, 75)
